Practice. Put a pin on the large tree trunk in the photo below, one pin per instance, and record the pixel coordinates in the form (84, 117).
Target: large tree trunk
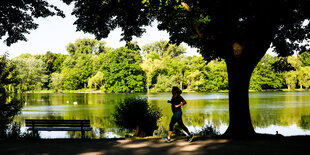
(240, 67)
(239, 75)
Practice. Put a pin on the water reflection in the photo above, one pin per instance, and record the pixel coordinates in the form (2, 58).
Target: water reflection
(270, 111)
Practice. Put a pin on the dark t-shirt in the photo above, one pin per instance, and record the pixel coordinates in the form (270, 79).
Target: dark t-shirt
(175, 101)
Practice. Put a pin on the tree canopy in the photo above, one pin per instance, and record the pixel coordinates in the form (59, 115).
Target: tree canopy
(238, 31)
(202, 24)
(163, 48)
(17, 17)
(86, 46)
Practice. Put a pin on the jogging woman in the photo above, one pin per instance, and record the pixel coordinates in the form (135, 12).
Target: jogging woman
(176, 102)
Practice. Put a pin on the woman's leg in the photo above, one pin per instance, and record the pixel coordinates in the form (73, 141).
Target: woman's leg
(181, 124)
(174, 119)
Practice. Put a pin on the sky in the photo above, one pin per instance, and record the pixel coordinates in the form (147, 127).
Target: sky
(55, 33)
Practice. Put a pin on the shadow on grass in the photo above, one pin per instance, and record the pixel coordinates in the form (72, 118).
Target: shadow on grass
(201, 145)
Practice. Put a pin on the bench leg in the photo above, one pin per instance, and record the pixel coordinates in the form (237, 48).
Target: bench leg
(35, 133)
(83, 134)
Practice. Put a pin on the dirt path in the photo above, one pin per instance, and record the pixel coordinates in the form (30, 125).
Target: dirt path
(294, 146)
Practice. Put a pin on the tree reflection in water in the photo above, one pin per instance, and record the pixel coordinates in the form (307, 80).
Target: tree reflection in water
(279, 109)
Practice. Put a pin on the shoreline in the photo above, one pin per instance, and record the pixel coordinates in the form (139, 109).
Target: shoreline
(185, 91)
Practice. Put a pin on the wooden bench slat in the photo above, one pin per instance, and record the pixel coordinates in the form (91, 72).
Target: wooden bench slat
(60, 128)
(66, 125)
(57, 124)
(58, 121)
(55, 120)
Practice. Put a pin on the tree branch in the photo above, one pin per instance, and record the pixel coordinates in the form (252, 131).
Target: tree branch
(195, 25)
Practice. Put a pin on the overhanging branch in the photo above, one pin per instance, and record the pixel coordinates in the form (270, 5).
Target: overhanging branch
(195, 25)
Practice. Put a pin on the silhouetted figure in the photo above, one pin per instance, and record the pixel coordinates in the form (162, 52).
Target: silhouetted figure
(176, 102)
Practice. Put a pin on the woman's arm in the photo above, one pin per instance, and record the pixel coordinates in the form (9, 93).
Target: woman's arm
(182, 103)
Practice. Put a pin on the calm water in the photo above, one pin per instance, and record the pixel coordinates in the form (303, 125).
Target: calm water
(285, 112)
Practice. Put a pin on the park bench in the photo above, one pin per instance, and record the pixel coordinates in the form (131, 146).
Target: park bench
(58, 125)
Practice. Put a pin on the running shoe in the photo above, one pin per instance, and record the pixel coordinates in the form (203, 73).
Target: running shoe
(190, 138)
(168, 140)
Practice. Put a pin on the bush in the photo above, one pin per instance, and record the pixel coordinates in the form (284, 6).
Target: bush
(14, 132)
(136, 114)
(7, 112)
(208, 130)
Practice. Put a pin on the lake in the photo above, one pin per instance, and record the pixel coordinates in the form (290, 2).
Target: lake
(285, 112)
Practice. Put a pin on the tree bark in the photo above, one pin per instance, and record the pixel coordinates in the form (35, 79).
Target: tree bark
(181, 85)
(148, 87)
(239, 74)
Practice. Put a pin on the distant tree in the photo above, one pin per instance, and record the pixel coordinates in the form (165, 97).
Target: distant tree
(57, 81)
(217, 77)
(96, 80)
(305, 58)
(58, 62)
(164, 48)
(31, 73)
(133, 46)
(164, 83)
(17, 17)
(303, 76)
(239, 31)
(84, 68)
(170, 72)
(122, 71)
(300, 72)
(48, 58)
(86, 46)
(264, 76)
(291, 79)
(294, 61)
(71, 79)
(195, 73)
(77, 69)
(177, 69)
(150, 66)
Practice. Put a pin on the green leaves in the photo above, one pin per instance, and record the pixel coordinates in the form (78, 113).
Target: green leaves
(136, 113)
(122, 71)
(86, 46)
(163, 65)
(265, 76)
(31, 73)
(163, 48)
(17, 18)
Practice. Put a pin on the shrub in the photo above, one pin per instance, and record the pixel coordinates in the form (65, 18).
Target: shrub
(14, 132)
(7, 112)
(208, 130)
(136, 114)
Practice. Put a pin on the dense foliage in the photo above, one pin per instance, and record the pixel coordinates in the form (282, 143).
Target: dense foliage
(8, 107)
(17, 17)
(154, 68)
(136, 114)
